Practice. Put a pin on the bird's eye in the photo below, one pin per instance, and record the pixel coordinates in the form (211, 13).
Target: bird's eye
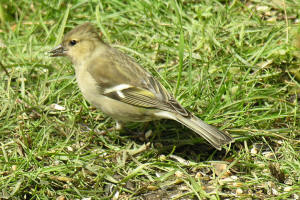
(73, 42)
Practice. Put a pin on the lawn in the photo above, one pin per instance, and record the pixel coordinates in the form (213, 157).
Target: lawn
(235, 64)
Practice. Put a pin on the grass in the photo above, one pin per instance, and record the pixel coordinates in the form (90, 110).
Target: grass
(232, 63)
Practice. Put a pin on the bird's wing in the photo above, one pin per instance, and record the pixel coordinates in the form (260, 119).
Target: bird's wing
(120, 78)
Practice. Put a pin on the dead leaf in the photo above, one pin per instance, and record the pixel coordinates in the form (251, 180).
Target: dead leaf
(180, 160)
(220, 169)
(277, 173)
(152, 187)
(61, 178)
(61, 198)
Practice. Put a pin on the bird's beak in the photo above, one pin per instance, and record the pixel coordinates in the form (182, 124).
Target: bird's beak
(58, 51)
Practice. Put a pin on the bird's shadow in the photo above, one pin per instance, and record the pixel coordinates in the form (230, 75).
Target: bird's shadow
(171, 137)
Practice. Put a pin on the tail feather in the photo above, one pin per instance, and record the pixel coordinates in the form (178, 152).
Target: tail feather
(214, 136)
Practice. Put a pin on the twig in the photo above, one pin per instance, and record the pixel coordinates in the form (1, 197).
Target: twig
(2, 66)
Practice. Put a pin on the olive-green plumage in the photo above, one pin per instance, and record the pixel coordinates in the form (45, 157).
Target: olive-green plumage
(121, 88)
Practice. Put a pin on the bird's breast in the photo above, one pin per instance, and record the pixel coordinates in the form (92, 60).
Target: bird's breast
(88, 86)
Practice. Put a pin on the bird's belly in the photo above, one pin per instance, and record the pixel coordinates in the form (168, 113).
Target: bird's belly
(118, 110)
(122, 111)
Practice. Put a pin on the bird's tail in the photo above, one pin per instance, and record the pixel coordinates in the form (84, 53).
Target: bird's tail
(214, 136)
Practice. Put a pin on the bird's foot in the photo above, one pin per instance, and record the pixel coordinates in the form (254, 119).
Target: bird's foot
(118, 127)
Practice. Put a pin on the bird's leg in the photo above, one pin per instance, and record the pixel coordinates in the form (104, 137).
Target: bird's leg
(117, 127)
(143, 133)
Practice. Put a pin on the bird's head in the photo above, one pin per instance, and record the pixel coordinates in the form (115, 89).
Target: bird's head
(78, 43)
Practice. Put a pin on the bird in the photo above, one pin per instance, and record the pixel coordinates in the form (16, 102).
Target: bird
(116, 84)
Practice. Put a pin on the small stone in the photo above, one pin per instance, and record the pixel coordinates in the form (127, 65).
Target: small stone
(14, 167)
(116, 196)
(198, 175)
(254, 150)
(70, 149)
(296, 196)
(288, 189)
(57, 107)
(162, 158)
(262, 8)
(274, 191)
(239, 191)
(178, 174)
